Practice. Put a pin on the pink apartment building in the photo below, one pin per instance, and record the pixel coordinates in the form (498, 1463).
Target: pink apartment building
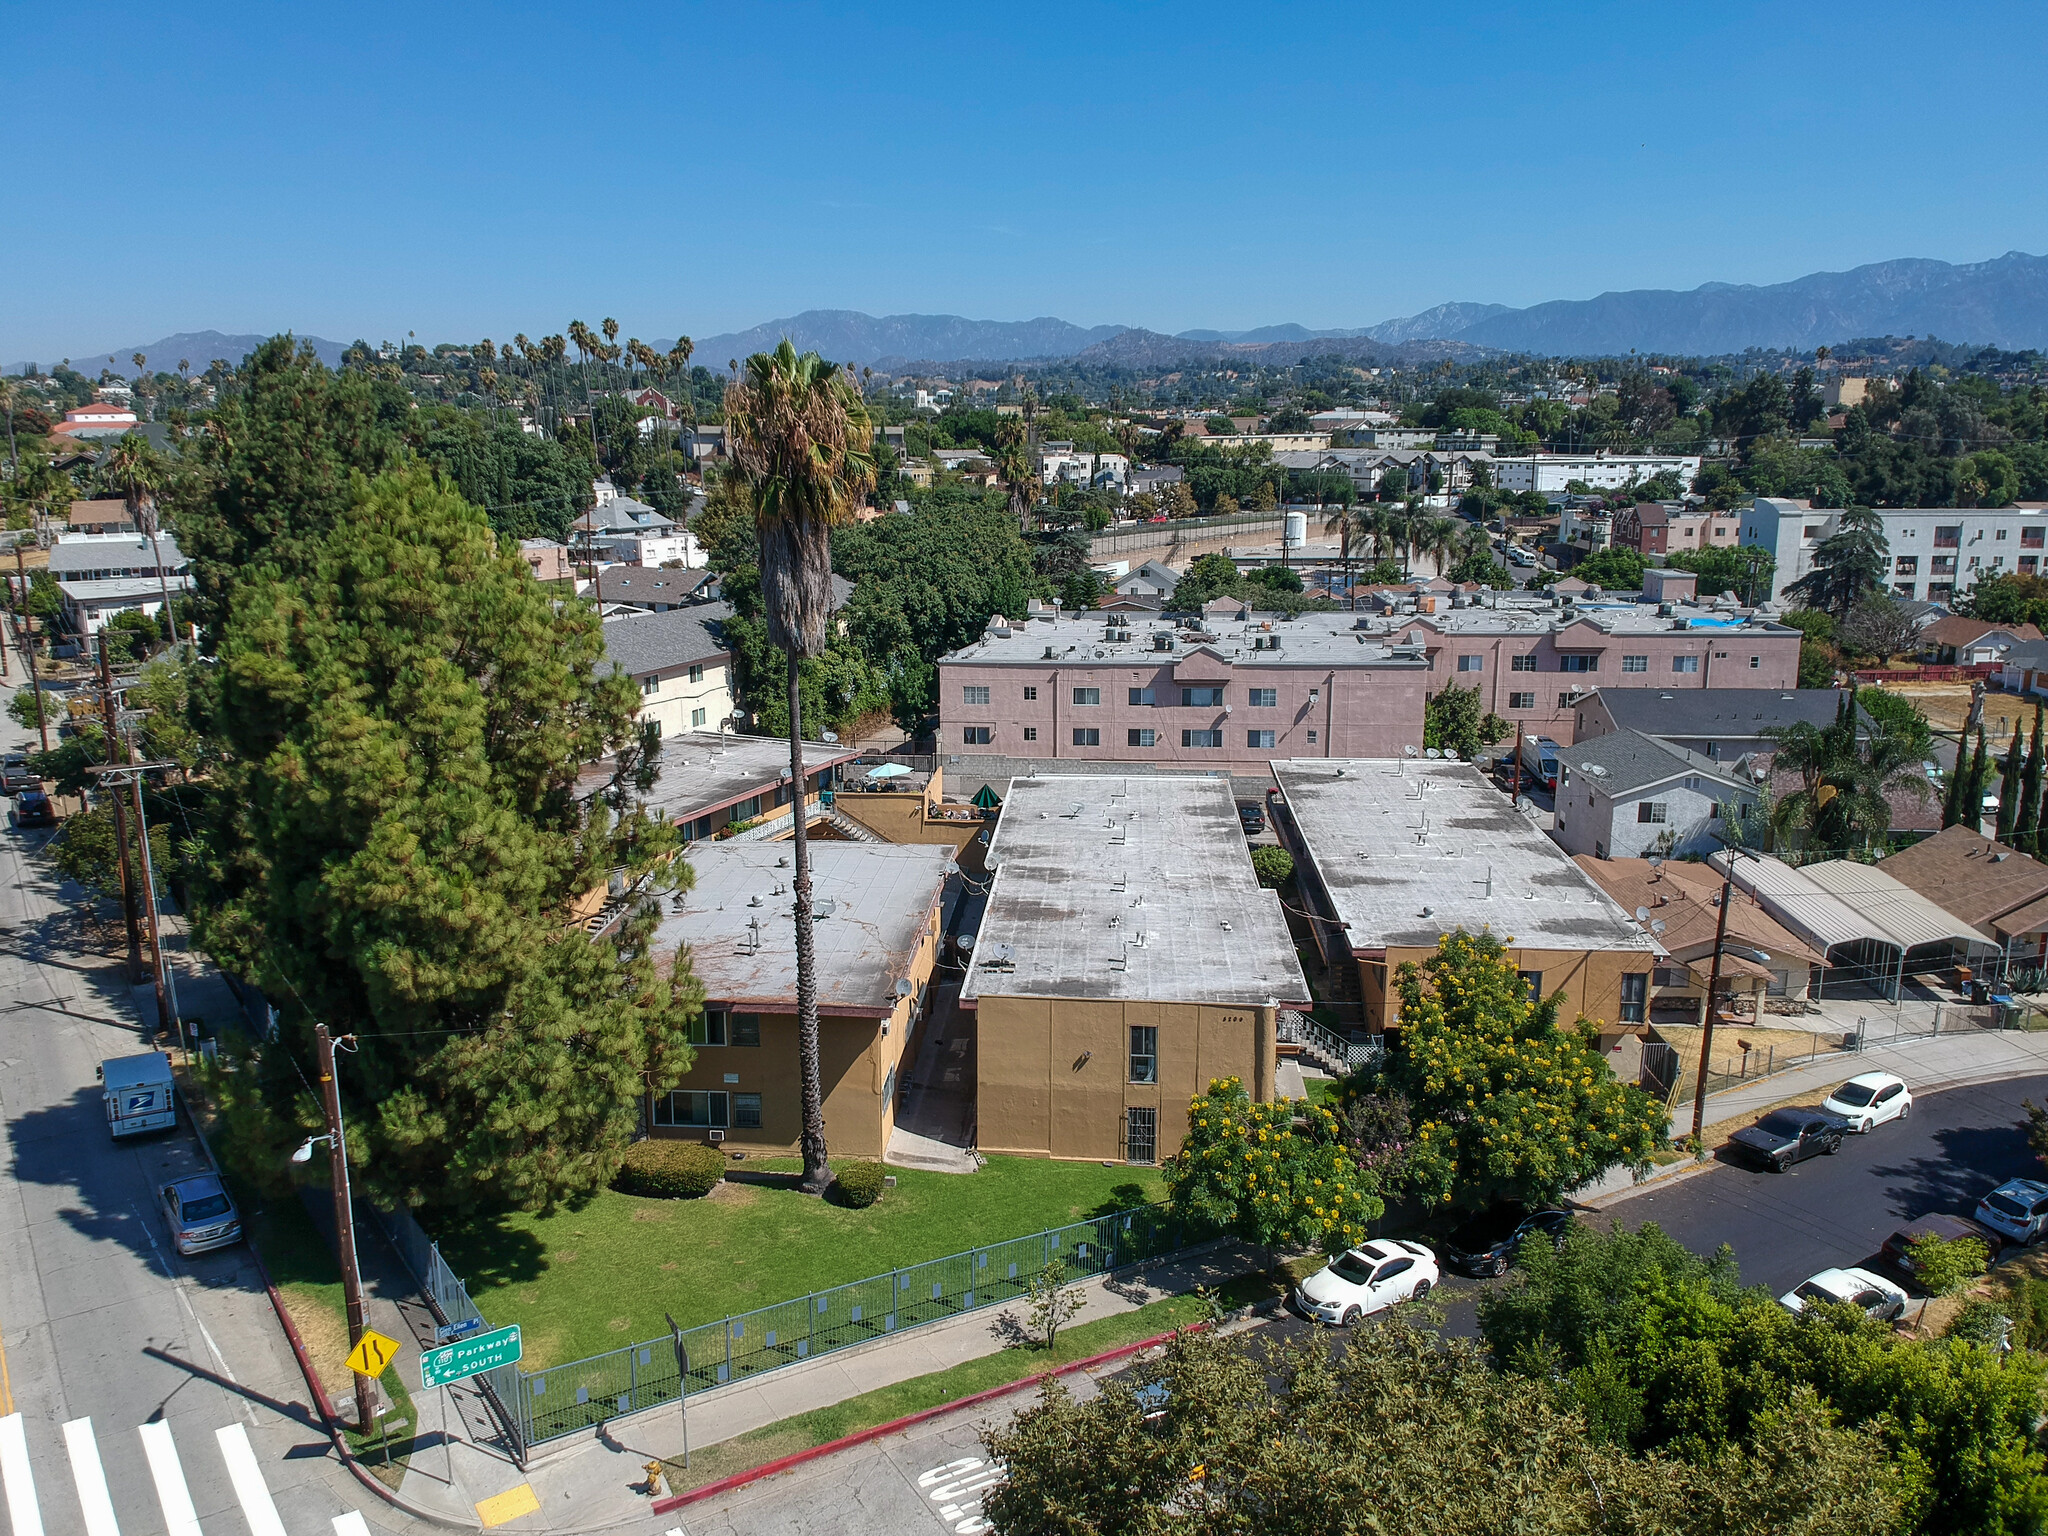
(1235, 691)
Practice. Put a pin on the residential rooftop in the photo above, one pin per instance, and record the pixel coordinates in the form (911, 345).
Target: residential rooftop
(698, 772)
(1717, 711)
(637, 584)
(1410, 849)
(1995, 889)
(643, 643)
(117, 588)
(1622, 762)
(873, 905)
(1129, 888)
(112, 551)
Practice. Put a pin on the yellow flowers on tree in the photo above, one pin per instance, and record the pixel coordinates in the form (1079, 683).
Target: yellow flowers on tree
(1505, 1103)
(1253, 1171)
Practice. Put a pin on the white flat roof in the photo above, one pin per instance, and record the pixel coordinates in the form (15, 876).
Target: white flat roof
(1136, 889)
(1410, 849)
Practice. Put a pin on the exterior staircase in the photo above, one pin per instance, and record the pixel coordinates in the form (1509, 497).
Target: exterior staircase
(1325, 1047)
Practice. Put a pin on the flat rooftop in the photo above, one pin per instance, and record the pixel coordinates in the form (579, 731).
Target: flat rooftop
(1410, 849)
(703, 771)
(872, 904)
(1133, 889)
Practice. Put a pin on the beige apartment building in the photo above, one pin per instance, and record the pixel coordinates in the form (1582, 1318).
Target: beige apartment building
(876, 935)
(680, 663)
(1395, 853)
(1126, 959)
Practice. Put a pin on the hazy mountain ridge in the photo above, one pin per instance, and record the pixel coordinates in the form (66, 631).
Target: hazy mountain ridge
(195, 347)
(848, 336)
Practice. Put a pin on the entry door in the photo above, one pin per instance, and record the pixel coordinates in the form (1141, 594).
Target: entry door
(1141, 1135)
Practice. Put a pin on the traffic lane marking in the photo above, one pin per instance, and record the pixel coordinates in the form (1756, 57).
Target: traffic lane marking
(90, 1478)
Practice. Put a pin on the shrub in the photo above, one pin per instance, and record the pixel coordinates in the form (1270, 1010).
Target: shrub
(669, 1170)
(1272, 865)
(1943, 1266)
(859, 1184)
(2027, 1306)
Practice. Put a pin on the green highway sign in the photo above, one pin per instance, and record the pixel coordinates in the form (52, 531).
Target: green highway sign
(468, 1357)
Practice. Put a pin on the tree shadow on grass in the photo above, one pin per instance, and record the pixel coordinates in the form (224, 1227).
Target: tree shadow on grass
(1121, 1197)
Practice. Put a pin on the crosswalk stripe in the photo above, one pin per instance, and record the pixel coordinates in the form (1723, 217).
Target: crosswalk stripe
(350, 1523)
(180, 1518)
(247, 1477)
(22, 1507)
(91, 1479)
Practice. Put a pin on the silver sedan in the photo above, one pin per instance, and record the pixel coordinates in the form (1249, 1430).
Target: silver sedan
(201, 1214)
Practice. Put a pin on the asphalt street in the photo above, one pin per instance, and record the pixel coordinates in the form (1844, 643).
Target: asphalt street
(154, 1393)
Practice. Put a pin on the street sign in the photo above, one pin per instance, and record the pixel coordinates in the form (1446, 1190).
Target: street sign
(469, 1357)
(372, 1353)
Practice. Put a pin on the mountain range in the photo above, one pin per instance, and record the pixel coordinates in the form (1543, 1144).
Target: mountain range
(195, 347)
(2002, 302)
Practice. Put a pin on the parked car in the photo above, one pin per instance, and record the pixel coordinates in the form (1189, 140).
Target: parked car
(14, 773)
(1251, 816)
(201, 1214)
(1486, 1244)
(1878, 1297)
(1366, 1279)
(2016, 1210)
(32, 808)
(1788, 1136)
(1898, 1248)
(1870, 1099)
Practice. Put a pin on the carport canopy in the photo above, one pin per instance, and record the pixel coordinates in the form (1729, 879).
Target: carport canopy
(1857, 915)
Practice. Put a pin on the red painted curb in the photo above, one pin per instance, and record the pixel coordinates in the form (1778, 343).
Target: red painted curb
(896, 1426)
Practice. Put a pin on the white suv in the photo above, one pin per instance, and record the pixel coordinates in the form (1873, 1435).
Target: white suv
(2017, 1209)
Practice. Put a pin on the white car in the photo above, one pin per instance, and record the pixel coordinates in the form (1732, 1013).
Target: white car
(1877, 1296)
(1366, 1279)
(1870, 1100)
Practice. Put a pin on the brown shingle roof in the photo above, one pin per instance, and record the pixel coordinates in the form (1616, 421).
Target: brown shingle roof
(1682, 896)
(1958, 631)
(1978, 879)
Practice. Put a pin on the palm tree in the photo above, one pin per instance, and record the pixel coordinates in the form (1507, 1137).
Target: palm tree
(1348, 522)
(1844, 781)
(802, 443)
(1440, 538)
(135, 469)
(1013, 464)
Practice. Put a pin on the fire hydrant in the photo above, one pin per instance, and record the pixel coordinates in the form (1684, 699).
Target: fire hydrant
(653, 1471)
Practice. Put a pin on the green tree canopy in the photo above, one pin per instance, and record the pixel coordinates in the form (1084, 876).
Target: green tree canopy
(532, 487)
(1453, 720)
(404, 720)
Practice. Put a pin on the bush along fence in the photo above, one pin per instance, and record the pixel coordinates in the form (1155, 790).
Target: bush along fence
(538, 1406)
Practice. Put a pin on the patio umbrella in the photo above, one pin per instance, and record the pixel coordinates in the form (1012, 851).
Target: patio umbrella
(987, 798)
(888, 771)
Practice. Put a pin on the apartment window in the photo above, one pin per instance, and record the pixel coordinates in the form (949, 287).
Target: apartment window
(1950, 537)
(2001, 533)
(696, 718)
(694, 1111)
(2032, 538)
(1906, 565)
(1903, 589)
(1201, 698)
(1258, 739)
(974, 695)
(1142, 738)
(1533, 980)
(1635, 996)
(1144, 1054)
(974, 735)
(1756, 663)
(1265, 698)
(708, 1028)
(2030, 563)
(1671, 976)
(1685, 664)
(696, 674)
(1031, 733)
(1813, 530)
(1471, 663)
(1940, 591)
(746, 1110)
(1522, 663)
(745, 1029)
(1578, 663)
(1087, 695)
(1650, 813)
(1030, 694)
(1635, 663)
(1311, 738)
(1087, 736)
(1141, 695)
(1141, 1135)
(649, 685)
(1521, 701)
(1567, 699)
(1974, 560)
(1942, 565)
(1201, 738)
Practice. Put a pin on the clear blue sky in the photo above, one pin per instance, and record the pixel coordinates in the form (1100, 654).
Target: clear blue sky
(462, 171)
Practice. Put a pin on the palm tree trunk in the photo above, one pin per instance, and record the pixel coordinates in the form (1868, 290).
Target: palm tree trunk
(817, 1172)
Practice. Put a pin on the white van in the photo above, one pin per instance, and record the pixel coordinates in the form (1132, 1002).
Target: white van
(139, 1094)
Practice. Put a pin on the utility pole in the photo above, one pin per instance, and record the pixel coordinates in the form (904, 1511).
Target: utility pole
(28, 645)
(344, 1216)
(109, 714)
(1699, 1091)
(166, 984)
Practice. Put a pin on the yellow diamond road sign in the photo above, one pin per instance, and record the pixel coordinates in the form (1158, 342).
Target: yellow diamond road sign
(372, 1353)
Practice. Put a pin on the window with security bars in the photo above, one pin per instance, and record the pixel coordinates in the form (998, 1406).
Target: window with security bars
(1141, 1135)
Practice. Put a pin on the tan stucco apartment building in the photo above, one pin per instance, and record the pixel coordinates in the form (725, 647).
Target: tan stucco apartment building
(876, 934)
(1127, 957)
(1394, 853)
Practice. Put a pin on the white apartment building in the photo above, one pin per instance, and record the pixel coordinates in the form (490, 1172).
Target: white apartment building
(1063, 464)
(1596, 471)
(1937, 553)
(650, 549)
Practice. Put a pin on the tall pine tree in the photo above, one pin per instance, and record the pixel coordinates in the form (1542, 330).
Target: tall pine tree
(1972, 808)
(2009, 788)
(2026, 833)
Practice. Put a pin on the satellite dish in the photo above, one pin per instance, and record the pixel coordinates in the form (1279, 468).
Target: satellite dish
(1641, 913)
(1656, 925)
(829, 737)
(1431, 752)
(1656, 863)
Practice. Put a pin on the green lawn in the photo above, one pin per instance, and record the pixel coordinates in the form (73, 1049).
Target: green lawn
(596, 1278)
(887, 1404)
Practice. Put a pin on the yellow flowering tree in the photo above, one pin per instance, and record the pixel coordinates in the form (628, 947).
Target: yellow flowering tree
(1505, 1103)
(1274, 1175)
